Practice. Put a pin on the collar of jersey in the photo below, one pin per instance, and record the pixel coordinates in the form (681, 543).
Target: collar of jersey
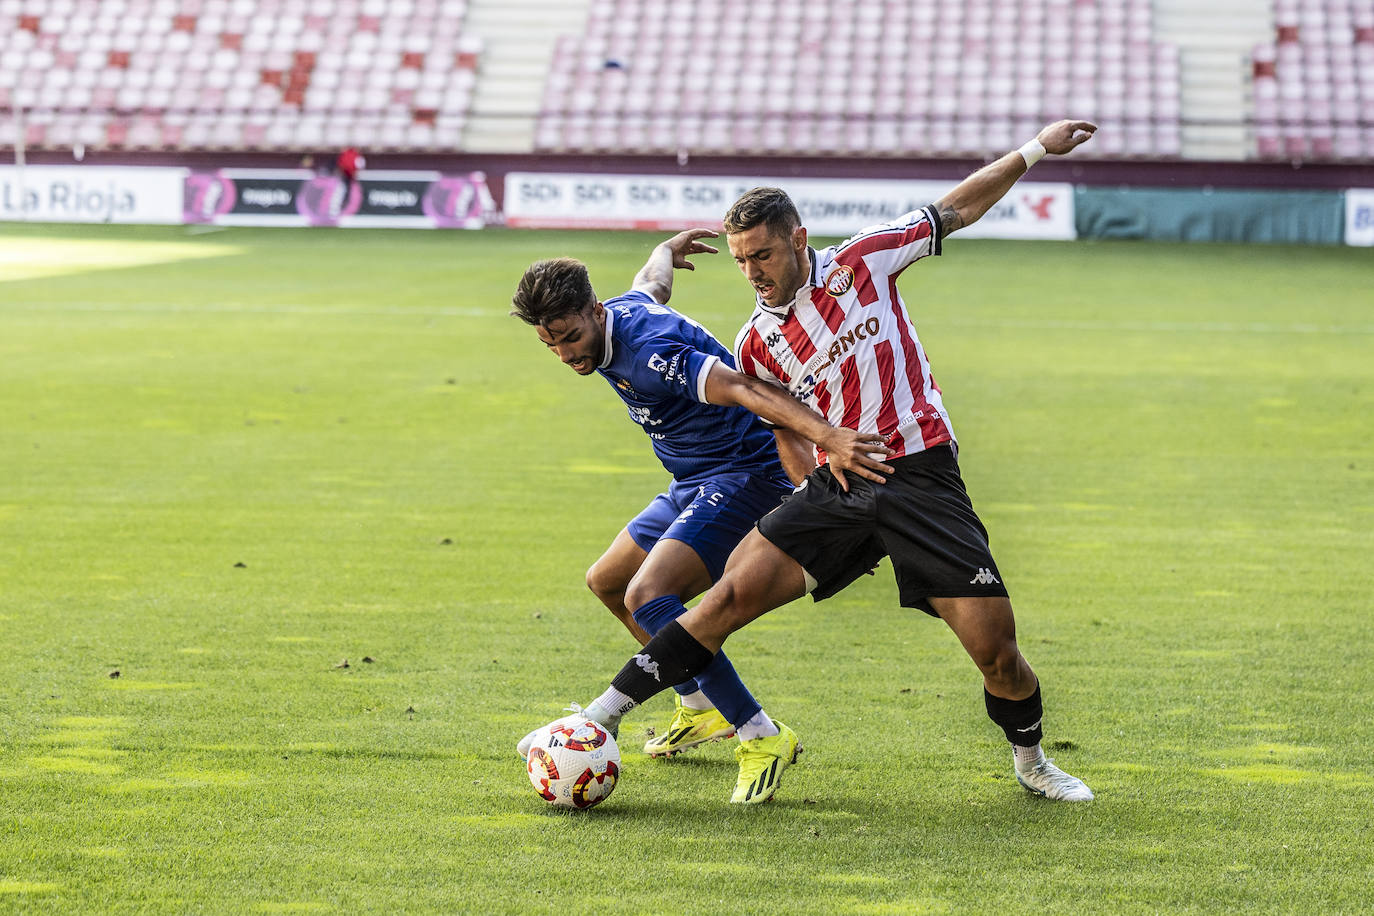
(803, 294)
(610, 344)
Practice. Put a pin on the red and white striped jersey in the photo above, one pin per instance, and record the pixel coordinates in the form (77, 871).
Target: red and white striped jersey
(845, 345)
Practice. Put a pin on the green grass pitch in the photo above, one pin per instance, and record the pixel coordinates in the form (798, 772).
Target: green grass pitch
(230, 461)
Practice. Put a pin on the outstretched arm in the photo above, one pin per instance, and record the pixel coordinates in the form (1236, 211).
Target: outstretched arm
(847, 449)
(656, 276)
(976, 194)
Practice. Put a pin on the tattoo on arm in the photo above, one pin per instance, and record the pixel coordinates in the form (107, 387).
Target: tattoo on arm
(656, 277)
(949, 220)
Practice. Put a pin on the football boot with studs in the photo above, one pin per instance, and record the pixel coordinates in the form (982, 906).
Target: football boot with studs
(688, 728)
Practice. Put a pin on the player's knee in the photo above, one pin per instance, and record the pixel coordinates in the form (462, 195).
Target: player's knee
(1000, 662)
(640, 592)
(604, 584)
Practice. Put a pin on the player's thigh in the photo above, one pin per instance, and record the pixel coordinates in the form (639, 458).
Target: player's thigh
(828, 532)
(672, 567)
(692, 552)
(613, 571)
(758, 578)
(717, 513)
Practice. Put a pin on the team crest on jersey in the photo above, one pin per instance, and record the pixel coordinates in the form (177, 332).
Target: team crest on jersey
(839, 280)
(670, 369)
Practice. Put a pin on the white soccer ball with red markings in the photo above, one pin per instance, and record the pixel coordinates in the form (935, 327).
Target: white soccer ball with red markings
(573, 764)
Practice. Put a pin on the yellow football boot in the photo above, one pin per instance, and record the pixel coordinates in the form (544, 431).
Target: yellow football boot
(688, 728)
(761, 765)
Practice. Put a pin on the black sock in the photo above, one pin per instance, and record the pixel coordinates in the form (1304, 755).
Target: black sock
(1020, 719)
(671, 657)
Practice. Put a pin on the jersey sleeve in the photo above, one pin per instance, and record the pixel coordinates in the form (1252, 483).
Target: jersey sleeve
(752, 358)
(638, 295)
(892, 247)
(672, 368)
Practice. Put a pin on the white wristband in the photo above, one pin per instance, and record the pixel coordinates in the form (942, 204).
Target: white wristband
(1032, 151)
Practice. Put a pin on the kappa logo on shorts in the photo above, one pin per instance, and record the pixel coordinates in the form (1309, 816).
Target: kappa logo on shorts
(839, 280)
(984, 577)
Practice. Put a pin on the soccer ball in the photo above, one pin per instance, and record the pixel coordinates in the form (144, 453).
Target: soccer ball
(573, 764)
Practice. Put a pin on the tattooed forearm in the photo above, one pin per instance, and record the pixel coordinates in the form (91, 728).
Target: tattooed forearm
(971, 198)
(949, 220)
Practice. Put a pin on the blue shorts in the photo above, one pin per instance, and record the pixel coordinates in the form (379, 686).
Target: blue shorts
(710, 515)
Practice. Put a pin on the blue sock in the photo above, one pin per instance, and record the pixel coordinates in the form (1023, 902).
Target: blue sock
(719, 681)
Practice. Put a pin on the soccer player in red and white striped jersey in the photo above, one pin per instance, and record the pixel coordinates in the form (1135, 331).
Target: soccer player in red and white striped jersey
(831, 328)
(843, 344)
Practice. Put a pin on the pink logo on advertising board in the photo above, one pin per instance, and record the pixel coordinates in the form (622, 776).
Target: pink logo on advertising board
(1040, 206)
(208, 195)
(322, 200)
(456, 201)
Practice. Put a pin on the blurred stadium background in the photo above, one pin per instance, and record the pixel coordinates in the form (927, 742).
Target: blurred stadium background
(1271, 94)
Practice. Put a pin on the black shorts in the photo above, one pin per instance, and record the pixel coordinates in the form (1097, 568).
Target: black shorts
(921, 517)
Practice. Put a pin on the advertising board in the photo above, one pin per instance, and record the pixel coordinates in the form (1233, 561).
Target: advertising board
(829, 207)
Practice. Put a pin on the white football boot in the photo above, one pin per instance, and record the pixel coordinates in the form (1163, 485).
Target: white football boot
(575, 716)
(1046, 779)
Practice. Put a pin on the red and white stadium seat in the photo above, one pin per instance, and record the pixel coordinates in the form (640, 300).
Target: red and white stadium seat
(238, 74)
(889, 77)
(1313, 86)
(851, 78)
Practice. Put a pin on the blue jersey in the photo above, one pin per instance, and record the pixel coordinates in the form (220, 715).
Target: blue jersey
(657, 361)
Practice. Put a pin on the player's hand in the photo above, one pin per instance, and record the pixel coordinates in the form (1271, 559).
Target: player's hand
(687, 243)
(849, 451)
(1061, 136)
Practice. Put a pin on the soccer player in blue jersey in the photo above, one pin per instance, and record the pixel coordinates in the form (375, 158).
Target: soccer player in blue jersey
(679, 384)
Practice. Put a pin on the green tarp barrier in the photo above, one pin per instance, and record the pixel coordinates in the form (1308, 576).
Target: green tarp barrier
(1203, 215)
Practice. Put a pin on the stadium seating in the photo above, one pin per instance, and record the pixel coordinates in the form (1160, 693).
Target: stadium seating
(898, 77)
(864, 77)
(236, 74)
(1314, 84)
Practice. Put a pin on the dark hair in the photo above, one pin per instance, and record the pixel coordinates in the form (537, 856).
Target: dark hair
(552, 289)
(770, 207)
